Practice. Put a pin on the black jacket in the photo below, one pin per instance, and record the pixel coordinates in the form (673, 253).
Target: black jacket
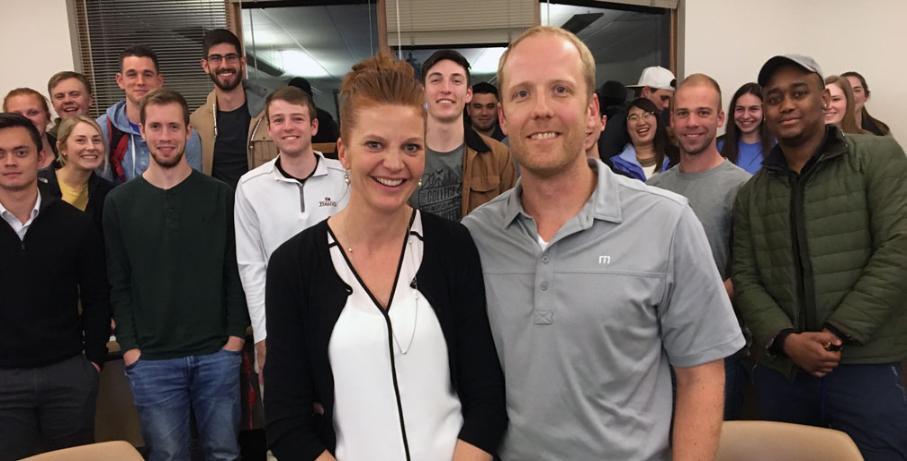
(98, 188)
(42, 280)
(304, 298)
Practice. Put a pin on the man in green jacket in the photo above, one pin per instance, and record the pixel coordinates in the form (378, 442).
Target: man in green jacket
(820, 264)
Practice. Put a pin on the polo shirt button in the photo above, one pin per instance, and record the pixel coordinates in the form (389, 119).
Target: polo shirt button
(544, 286)
(546, 259)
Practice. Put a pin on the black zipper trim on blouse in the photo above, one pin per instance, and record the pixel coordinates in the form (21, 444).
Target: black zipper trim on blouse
(387, 320)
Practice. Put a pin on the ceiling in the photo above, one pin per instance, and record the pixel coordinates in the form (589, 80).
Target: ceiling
(323, 42)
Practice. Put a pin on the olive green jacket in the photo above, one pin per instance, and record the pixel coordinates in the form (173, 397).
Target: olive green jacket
(827, 248)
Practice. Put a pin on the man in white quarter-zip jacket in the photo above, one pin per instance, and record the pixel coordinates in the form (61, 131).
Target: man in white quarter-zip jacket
(275, 201)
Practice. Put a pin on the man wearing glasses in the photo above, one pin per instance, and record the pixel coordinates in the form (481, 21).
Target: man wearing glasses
(230, 123)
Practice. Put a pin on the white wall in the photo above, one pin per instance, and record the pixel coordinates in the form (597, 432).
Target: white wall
(731, 39)
(36, 43)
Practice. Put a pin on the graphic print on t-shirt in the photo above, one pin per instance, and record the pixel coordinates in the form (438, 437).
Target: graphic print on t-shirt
(442, 184)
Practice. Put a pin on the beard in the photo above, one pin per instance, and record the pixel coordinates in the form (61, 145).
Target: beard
(166, 163)
(549, 162)
(230, 84)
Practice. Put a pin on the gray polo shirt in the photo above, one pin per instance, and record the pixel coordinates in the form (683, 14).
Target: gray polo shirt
(588, 328)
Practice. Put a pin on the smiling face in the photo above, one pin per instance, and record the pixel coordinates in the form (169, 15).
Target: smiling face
(30, 107)
(696, 117)
(837, 107)
(793, 100)
(19, 159)
(641, 126)
(291, 127)
(447, 91)
(545, 104)
(138, 77)
(384, 154)
(84, 148)
(166, 133)
(748, 113)
(70, 98)
(483, 111)
(225, 66)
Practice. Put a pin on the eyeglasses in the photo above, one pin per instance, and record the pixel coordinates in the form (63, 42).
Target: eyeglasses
(231, 58)
(636, 117)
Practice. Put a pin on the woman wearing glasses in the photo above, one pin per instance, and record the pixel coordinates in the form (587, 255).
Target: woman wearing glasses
(646, 153)
(378, 342)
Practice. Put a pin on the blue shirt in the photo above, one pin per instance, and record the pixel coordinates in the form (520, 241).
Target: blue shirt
(749, 156)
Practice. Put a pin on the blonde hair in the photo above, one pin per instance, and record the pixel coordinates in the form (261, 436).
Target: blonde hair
(378, 80)
(64, 131)
(586, 58)
(849, 122)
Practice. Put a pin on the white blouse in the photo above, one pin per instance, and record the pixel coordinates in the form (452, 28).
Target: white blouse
(390, 365)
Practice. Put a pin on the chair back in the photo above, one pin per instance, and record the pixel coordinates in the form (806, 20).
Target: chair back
(117, 450)
(761, 440)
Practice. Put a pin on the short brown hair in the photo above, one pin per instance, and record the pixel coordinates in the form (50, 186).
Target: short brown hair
(586, 58)
(27, 92)
(292, 95)
(378, 80)
(66, 75)
(162, 97)
(700, 79)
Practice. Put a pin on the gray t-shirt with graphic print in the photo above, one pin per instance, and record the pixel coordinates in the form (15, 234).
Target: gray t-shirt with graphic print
(442, 184)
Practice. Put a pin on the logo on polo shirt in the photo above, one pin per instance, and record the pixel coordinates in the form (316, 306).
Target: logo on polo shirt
(604, 259)
(327, 202)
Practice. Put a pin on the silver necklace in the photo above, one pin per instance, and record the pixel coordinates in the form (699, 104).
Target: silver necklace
(412, 335)
(412, 284)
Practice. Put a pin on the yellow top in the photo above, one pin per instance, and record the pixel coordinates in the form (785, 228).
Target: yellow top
(75, 196)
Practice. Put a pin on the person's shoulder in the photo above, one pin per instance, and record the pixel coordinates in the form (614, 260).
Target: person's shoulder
(303, 243)
(870, 144)
(127, 189)
(64, 214)
(632, 189)
(489, 212)
(663, 177)
(434, 224)
(253, 176)
(333, 165)
(731, 173)
(198, 180)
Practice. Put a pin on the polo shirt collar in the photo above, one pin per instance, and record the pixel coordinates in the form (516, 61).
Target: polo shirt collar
(604, 204)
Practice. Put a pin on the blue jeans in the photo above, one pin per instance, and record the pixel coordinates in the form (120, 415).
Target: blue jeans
(868, 402)
(164, 390)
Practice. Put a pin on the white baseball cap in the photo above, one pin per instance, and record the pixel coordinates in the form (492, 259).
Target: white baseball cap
(656, 77)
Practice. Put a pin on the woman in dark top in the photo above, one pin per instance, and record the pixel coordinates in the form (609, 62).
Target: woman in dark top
(82, 151)
(861, 96)
(378, 341)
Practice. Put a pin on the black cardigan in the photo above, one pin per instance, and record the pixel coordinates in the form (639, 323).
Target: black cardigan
(304, 298)
(98, 188)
